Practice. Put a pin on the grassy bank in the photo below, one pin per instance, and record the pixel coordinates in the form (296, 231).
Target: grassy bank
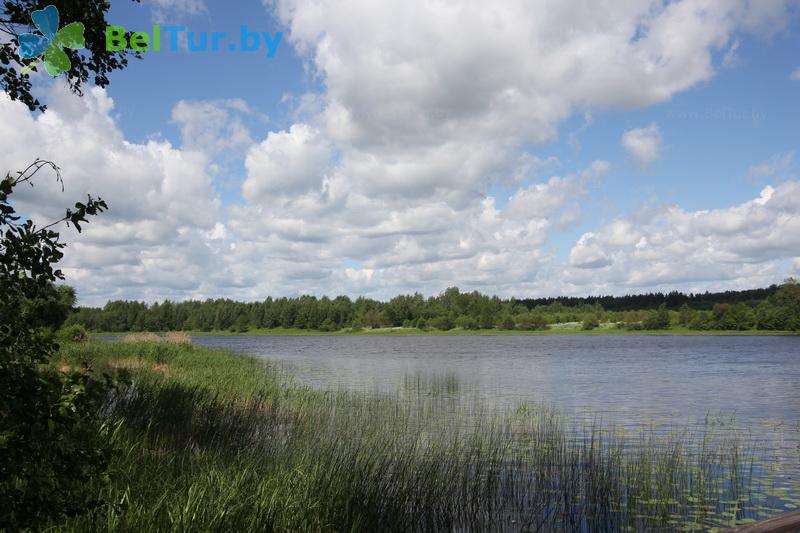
(207, 440)
(559, 330)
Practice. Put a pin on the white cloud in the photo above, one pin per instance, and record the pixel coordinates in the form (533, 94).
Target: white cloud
(643, 145)
(774, 166)
(150, 242)
(293, 161)
(391, 165)
(394, 177)
(731, 59)
(538, 62)
(795, 75)
(213, 127)
(164, 9)
(403, 243)
(743, 245)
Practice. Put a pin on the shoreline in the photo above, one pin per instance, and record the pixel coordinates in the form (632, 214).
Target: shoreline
(199, 429)
(414, 332)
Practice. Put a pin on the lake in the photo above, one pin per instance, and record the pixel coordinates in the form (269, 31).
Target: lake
(623, 379)
(743, 387)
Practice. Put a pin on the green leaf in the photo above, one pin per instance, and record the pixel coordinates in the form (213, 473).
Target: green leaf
(56, 61)
(70, 36)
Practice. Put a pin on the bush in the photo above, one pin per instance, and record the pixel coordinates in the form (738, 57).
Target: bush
(657, 319)
(73, 333)
(530, 321)
(507, 322)
(466, 322)
(590, 323)
(701, 321)
(51, 444)
(732, 317)
(443, 323)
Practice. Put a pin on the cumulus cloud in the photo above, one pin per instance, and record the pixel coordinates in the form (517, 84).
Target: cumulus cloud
(413, 243)
(743, 244)
(214, 127)
(391, 166)
(643, 145)
(538, 62)
(293, 161)
(160, 197)
(417, 166)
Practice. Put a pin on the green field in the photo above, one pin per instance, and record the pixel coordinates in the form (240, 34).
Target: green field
(210, 441)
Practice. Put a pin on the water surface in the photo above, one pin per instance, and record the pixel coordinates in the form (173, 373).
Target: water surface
(745, 388)
(627, 379)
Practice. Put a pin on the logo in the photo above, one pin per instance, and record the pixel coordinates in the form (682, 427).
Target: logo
(49, 46)
(119, 38)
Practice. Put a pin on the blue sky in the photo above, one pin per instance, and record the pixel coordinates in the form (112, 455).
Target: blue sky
(398, 147)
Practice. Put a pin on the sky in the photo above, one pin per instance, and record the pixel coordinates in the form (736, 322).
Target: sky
(520, 148)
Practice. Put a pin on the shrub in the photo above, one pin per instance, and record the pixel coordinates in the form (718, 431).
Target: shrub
(443, 323)
(507, 322)
(51, 445)
(591, 322)
(466, 322)
(657, 319)
(530, 321)
(73, 333)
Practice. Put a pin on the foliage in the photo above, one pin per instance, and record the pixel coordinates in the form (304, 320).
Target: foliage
(787, 306)
(50, 445)
(590, 322)
(49, 309)
(651, 301)
(732, 317)
(73, 333)
(450, 309)
(94, 64)
(658, 319)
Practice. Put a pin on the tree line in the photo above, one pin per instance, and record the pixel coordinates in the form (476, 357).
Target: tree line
(673, 300)
(773, 308)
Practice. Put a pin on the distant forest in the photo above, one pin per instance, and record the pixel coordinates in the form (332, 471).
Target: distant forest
(773, 308)
(653, 300)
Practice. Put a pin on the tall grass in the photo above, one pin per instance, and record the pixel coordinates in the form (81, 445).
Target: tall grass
(174, 337)
(207, 440)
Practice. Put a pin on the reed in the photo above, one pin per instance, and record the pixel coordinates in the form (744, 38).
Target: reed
(227, 443)
(174, 337)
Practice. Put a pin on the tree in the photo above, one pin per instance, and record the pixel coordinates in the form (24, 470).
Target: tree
(507, 321)
(591, 322)
(444, 322)
(50, 444)
(787, 303)
(51, 309)
(94, 61)
(685, 315)
(732, 317)
(658, 319)
(466, 322)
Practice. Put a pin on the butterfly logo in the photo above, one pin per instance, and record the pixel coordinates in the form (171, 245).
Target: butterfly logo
(49, 46)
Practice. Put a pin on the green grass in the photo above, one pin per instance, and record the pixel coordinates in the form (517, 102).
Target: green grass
(415, 332)
(210, 441)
